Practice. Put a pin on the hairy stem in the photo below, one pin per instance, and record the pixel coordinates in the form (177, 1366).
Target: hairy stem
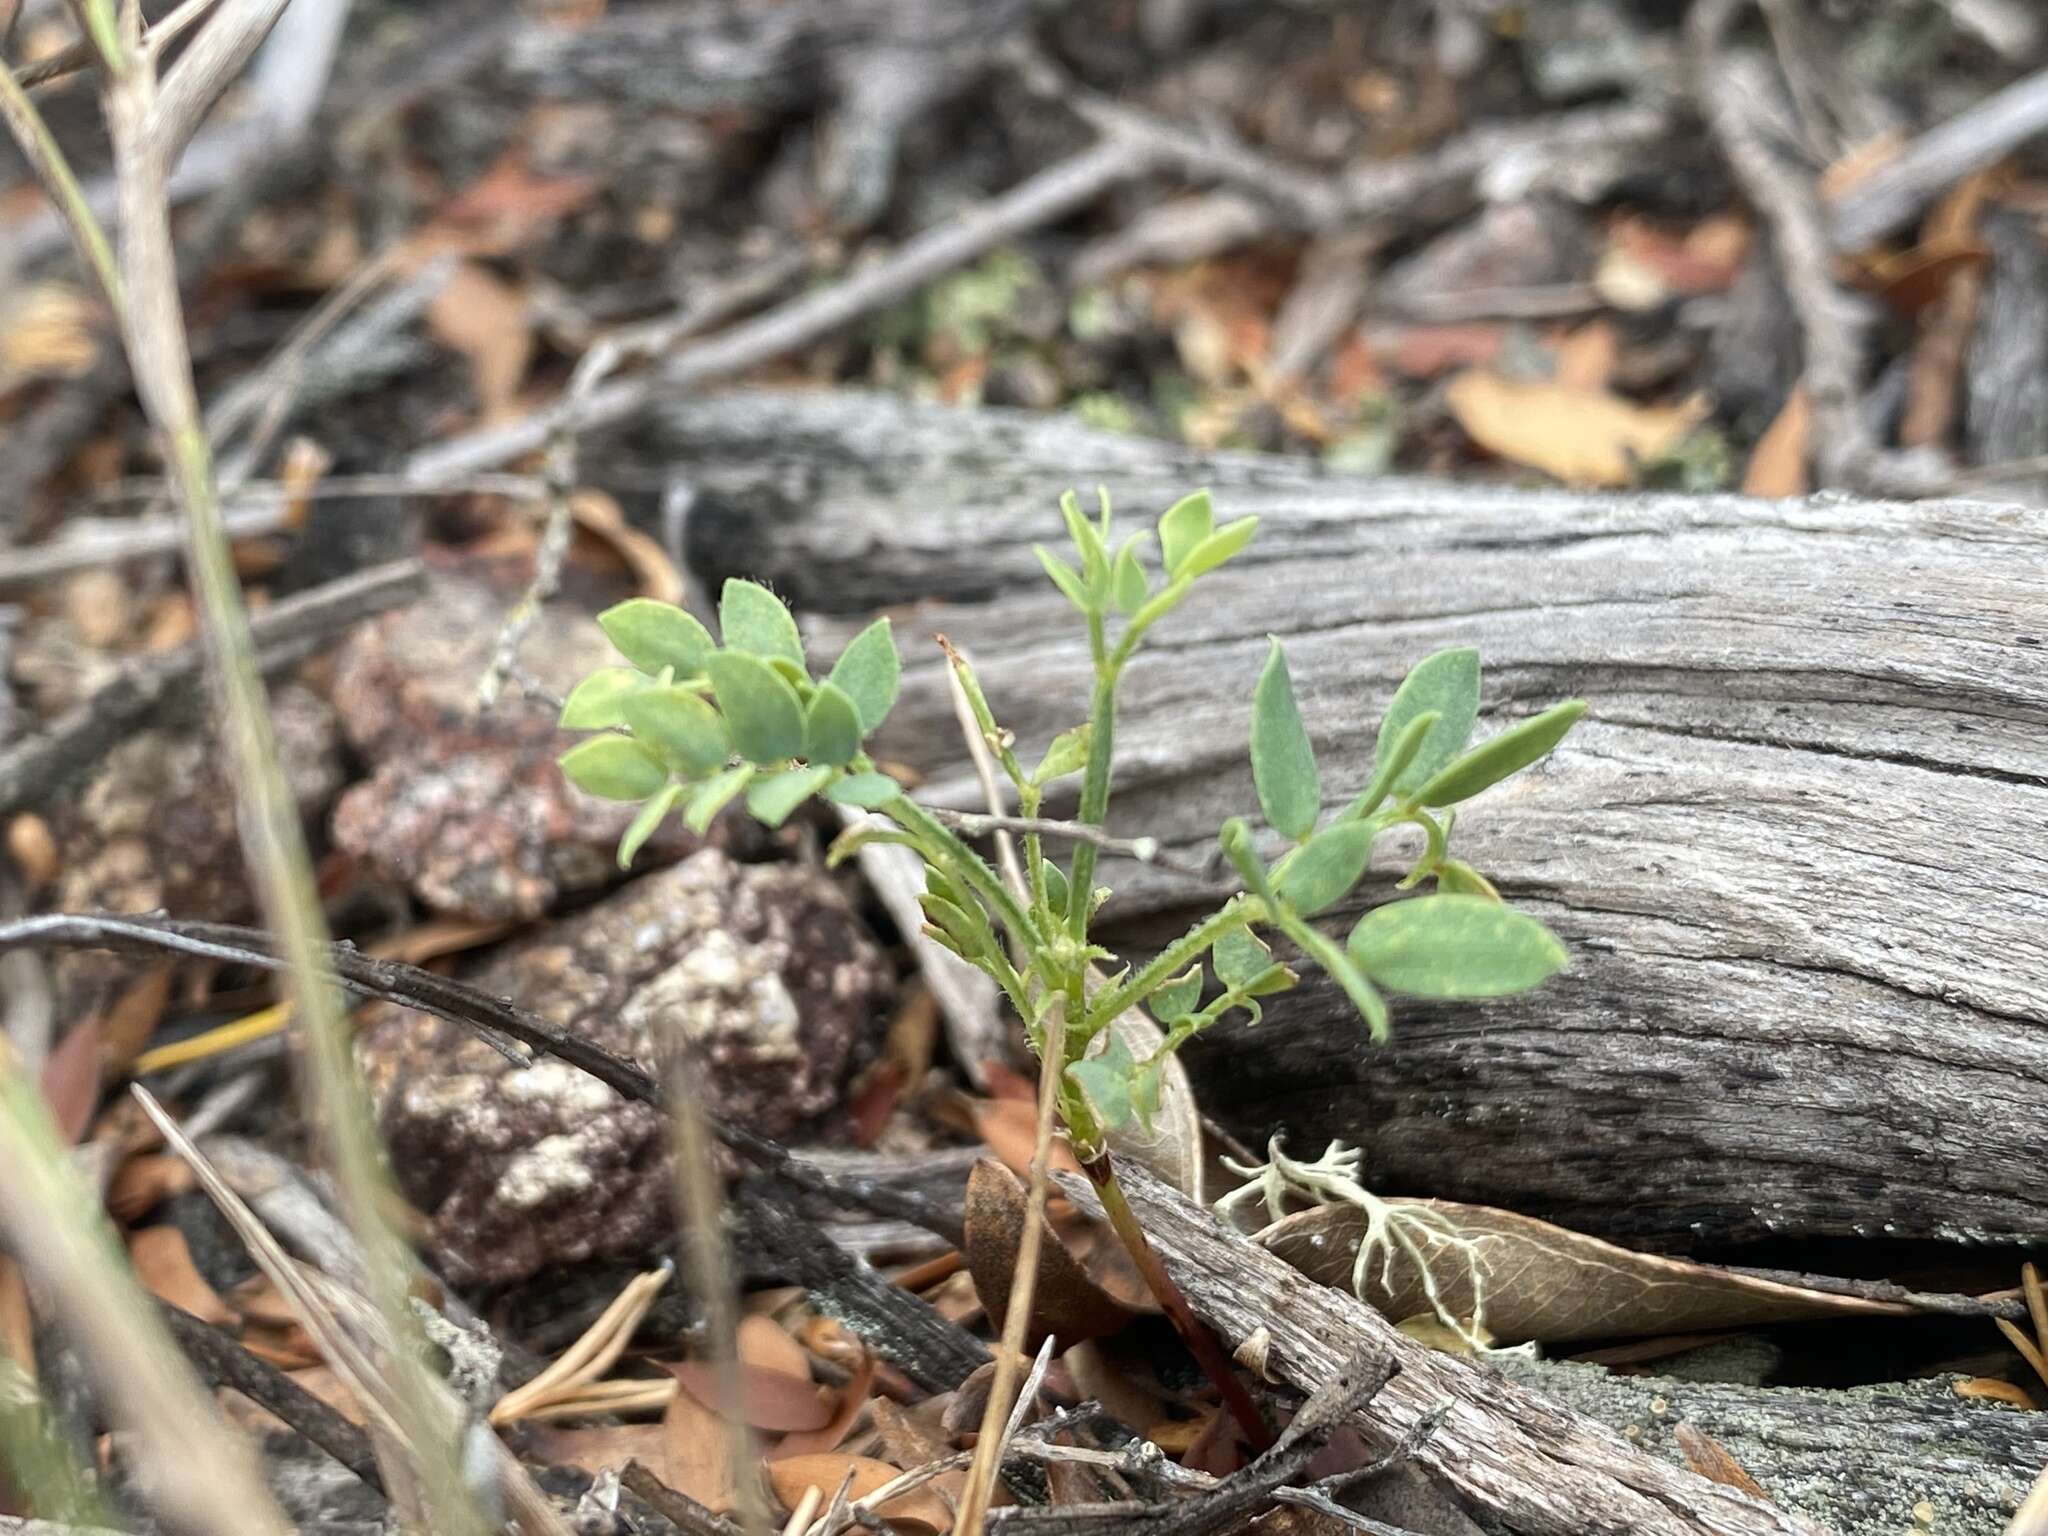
(1238, 912)
(1094, 782)
(941, 847)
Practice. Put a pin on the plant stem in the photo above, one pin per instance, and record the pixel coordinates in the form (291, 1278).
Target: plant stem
(943, 848)
(981, 1476)
(1095, 781)
(1239, 912)
(1201, 1342)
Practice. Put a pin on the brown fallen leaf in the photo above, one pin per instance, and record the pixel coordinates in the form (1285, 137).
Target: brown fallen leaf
(1581, 436)
(1079, 1295)
(1545, 1283)
(1913, 280)
(765, 1343)
(71, 1079)
(1992, 1389)
(601, 1447)
(598, 515)
(135, 1016)
(484, 318)
(920, 1510)
(164, 1265)
(769, 1400)
(853, 1400)
(33, 848)
(1010, 1127)
(1777, 465)
(1708, 1457)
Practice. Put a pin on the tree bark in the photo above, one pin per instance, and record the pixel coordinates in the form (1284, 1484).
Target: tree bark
(1795, 847)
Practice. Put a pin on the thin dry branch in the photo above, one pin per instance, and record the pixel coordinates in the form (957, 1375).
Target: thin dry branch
(1845, 452)
(1050, 195)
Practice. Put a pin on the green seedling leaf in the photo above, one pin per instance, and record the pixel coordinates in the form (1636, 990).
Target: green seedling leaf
(1065, 577)
(939, 883)
(868, 672)
(614, 768)
(1457, 878)
(1392, 765)
(1447, 684)
(1055, 887)
(1088, 544)
(1498, 756)
(594, 704)
(1452, 945)
(761, 709)
(687, 732)
(753, 620)
(1183, 527)
(653, 635)
(1220, 546)
(868, 791)
(1128, 584)
(1340, 967)
(1326, 868)
(1105, 1082)
(646, 822)
(966, 934)
(714, 795)
(1283, 762)
(773, 798)
(1177, 998)
(1239, 956)
(831, 727)
(1067, 754)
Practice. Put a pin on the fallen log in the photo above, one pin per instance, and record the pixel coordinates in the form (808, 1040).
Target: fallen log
(1795, 847)
(1570, 1449)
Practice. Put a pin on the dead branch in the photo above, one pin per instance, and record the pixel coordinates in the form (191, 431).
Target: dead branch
(1522, 1459)
(1051, 194)
(1894, 194)
(1846, 453)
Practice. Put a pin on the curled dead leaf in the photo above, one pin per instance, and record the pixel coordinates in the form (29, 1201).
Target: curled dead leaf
(765, 1343)
(921, 1510)
(853, 1398)
(1083, 1292)
(1545, 1283)
(1010, 1127)
(1708, 1457)
(1581, 436)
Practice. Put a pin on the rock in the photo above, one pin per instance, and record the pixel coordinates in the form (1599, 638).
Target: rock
(154, 828)
(464, 805)
(764, 971)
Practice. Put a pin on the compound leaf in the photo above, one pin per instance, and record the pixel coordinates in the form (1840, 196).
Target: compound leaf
(1328, 865)
(773, 798)
(614, 768)
(753, 620)
(594, 704)
(868, 672)
(831, 727)
(1447, 684)
(685, 730)
(1183, 527)
(653, 634)
(1498, 756)
(762, 710)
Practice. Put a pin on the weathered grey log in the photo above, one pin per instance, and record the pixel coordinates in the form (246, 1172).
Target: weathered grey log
(1543, 1448)
(1796, 848)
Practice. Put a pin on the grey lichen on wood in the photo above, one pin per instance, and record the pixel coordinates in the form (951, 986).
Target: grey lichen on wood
(1794, 848)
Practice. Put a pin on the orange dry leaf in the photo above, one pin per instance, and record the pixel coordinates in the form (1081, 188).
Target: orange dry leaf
(144, 1182)
(17, 1326)
(1582, 436)
(33, 849)
(1424, 351)
(1586, 357)
(853, 1398)
(164, 1265)
(1708, 1457)
(596, 513)
(1010, 1127)
(136, 1014)
(504, 209)
(1777, 466)
(485, 319)
(1912, 280)
(769, 1400)
(921, 1509)
(766, 1344)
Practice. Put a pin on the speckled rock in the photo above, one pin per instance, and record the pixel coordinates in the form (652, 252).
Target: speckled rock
(463, 805)
(153, 828)
(763, 972)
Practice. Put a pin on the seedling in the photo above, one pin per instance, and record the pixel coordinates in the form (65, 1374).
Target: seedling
(692, 724)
